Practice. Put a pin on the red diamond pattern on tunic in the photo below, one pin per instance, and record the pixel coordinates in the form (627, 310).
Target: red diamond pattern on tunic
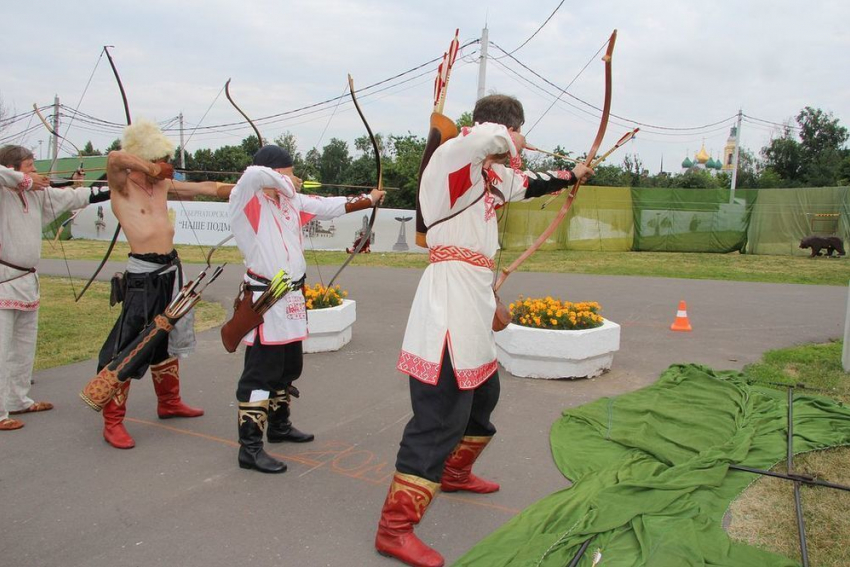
(252, 211)
(459, 183)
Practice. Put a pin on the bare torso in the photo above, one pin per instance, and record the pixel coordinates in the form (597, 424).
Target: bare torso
(141, 208)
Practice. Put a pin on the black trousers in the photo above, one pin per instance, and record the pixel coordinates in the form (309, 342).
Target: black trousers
(442, 416)
(269, 367)
(146, 296)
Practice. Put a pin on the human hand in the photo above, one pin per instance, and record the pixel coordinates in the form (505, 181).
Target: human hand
(296, 181)
(582, 172)
(163, 170)
(39, 181)
(377, 196)
(79, 176)
(518, 139)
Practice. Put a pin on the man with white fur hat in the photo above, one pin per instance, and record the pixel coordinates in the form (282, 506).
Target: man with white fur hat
(140, 179)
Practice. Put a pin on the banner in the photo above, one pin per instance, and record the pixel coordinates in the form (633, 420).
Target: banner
(207, 222)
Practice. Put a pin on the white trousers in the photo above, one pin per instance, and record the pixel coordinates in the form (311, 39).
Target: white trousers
(18, 330)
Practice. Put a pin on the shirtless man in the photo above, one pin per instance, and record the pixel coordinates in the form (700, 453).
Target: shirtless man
(140, 179)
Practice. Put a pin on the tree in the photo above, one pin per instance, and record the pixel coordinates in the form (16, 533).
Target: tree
(813, 161)
(402, 170)
(88, 150)
(334, 162)
(464, 120)
(114, 146)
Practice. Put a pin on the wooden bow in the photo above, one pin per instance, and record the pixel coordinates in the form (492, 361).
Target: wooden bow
(367, 234)
(240, 111)
(597, 141)
(118, 226)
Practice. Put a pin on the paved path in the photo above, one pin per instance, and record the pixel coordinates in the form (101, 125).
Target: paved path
(178, 499)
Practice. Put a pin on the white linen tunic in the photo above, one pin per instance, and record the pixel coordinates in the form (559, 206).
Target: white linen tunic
(23, 215)
(454, 303)
(269, 236)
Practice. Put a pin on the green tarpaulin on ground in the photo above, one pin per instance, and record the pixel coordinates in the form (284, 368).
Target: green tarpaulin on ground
(651, 481)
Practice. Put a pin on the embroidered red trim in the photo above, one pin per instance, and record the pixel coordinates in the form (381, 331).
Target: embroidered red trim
(429, 372)
(474, 377)
(456, 253)
(19, 305)
(419, 368)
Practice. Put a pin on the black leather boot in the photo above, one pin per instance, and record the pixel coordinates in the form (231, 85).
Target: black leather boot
(280, 428)
(252, 424)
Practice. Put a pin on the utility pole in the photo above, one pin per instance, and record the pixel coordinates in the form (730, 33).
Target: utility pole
(55, 144)
(482, 63)
(845, 351)
(182, 147)
(735, 158)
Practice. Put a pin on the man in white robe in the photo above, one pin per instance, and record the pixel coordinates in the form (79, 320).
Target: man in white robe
(266, 215)
(449, 351)
(27, 205)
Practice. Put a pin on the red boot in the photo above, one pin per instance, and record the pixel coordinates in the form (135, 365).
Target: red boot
(113, 419)
(406, 502)
(457, 474)
(166, 383)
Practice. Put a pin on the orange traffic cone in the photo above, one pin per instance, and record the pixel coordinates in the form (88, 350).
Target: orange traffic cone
(681, 323)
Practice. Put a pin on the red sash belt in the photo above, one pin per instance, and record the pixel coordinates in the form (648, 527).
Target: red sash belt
(458, 254)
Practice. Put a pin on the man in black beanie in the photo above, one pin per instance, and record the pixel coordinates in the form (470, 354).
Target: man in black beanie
(266, 214)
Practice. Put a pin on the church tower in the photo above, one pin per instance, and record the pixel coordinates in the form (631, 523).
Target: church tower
(729, 149)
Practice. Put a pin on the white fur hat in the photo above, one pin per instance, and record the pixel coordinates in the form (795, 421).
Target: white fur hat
(144, 139)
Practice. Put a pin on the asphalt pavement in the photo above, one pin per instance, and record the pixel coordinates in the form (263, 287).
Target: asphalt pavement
(179, 499)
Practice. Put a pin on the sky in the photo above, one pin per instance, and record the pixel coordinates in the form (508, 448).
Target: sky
(681, 70)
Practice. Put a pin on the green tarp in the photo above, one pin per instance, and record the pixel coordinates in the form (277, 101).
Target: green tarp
(783, 217)
(651, 482)
(690, 220)
(599, 219)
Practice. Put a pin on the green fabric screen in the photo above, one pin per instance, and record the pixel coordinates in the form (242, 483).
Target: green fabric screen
(599, 219)
(690, 220)
(651, 481)
(782, 217)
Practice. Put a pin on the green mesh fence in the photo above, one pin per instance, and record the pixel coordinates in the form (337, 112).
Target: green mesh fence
(691, 220)
(600, 219)
(782, 217)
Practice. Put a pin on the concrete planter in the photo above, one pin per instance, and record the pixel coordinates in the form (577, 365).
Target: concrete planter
(546, 353)
(330, 329)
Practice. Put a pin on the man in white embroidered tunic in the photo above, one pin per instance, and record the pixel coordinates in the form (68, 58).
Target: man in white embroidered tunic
(27, 204)
(449, 350)
(266, 215)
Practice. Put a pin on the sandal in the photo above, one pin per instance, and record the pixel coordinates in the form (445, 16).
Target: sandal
(10, 424)
(37, 406)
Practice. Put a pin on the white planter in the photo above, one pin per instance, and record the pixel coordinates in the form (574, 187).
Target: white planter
(330, 329)
(546, 353)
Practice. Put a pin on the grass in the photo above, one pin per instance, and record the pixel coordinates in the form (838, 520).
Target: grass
(733, 267)
(70, 332)
(764, 514)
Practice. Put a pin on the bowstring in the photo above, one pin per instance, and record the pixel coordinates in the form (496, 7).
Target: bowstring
(565, 89)
(174, 191)
(319, 143)
(56, 158)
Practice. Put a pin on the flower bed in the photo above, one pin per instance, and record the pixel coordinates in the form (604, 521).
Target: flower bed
(548, 338)
(330, 318)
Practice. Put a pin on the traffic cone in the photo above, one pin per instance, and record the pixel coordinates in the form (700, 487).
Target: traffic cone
(681, 323)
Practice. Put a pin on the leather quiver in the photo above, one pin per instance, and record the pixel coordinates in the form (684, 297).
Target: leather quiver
(243, 321)
(502, 316)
